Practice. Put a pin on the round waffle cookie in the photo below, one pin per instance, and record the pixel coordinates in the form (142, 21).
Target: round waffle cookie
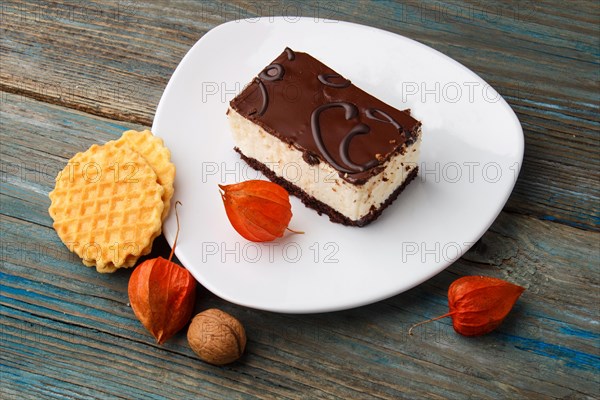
(107, 206)
(152, 148)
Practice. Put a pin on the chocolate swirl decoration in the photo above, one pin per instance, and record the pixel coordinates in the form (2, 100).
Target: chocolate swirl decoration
(371, 114)
(268, 76)
(290, 54)
(265, 96)
(325, 80)
(351, 111)
(360, 129)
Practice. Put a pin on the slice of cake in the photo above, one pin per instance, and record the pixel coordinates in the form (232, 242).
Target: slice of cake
(340, 150)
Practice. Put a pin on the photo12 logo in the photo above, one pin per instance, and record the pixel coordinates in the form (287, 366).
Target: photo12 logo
(69, 11)
(28, 171)
(270, 252)
(92, 172)
(240, 171)
(290, 11)
(446, 12)
(224, 92)
(468, 172)
(65, 92)
(436, 252)
(33, 252)
(448, 92)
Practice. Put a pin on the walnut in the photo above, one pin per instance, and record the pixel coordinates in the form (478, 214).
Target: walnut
(216, 337)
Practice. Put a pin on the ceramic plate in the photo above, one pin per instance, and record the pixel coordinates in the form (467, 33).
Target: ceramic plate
(471, 154)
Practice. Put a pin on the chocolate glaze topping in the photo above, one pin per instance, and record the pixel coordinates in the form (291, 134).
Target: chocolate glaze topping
(290, 53)
(310, 106)
(371, 114)
(325, 80)
(273, 72)
(264, 96)
(351, 111)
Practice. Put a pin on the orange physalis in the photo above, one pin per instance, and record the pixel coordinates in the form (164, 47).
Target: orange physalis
(259, 210)
(162, 294)
(478, 304)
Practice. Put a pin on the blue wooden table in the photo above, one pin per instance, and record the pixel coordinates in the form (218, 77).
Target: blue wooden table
(75, 73)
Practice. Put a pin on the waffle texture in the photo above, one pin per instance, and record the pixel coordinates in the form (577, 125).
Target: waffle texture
(154, 151)
(107, 206)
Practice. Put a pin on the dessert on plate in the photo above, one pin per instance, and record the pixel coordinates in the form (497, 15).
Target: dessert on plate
(340, 150)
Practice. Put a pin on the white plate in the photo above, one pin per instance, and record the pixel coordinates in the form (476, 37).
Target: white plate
(471, 154)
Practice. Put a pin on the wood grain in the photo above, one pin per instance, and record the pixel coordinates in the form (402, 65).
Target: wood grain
(68, 332)
(114, 60)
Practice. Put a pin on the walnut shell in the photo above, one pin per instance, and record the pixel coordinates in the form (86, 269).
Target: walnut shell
(216, 337)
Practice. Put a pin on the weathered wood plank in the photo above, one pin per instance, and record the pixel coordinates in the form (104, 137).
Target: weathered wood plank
(560, 363)
(69, 332)
(520, 48)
